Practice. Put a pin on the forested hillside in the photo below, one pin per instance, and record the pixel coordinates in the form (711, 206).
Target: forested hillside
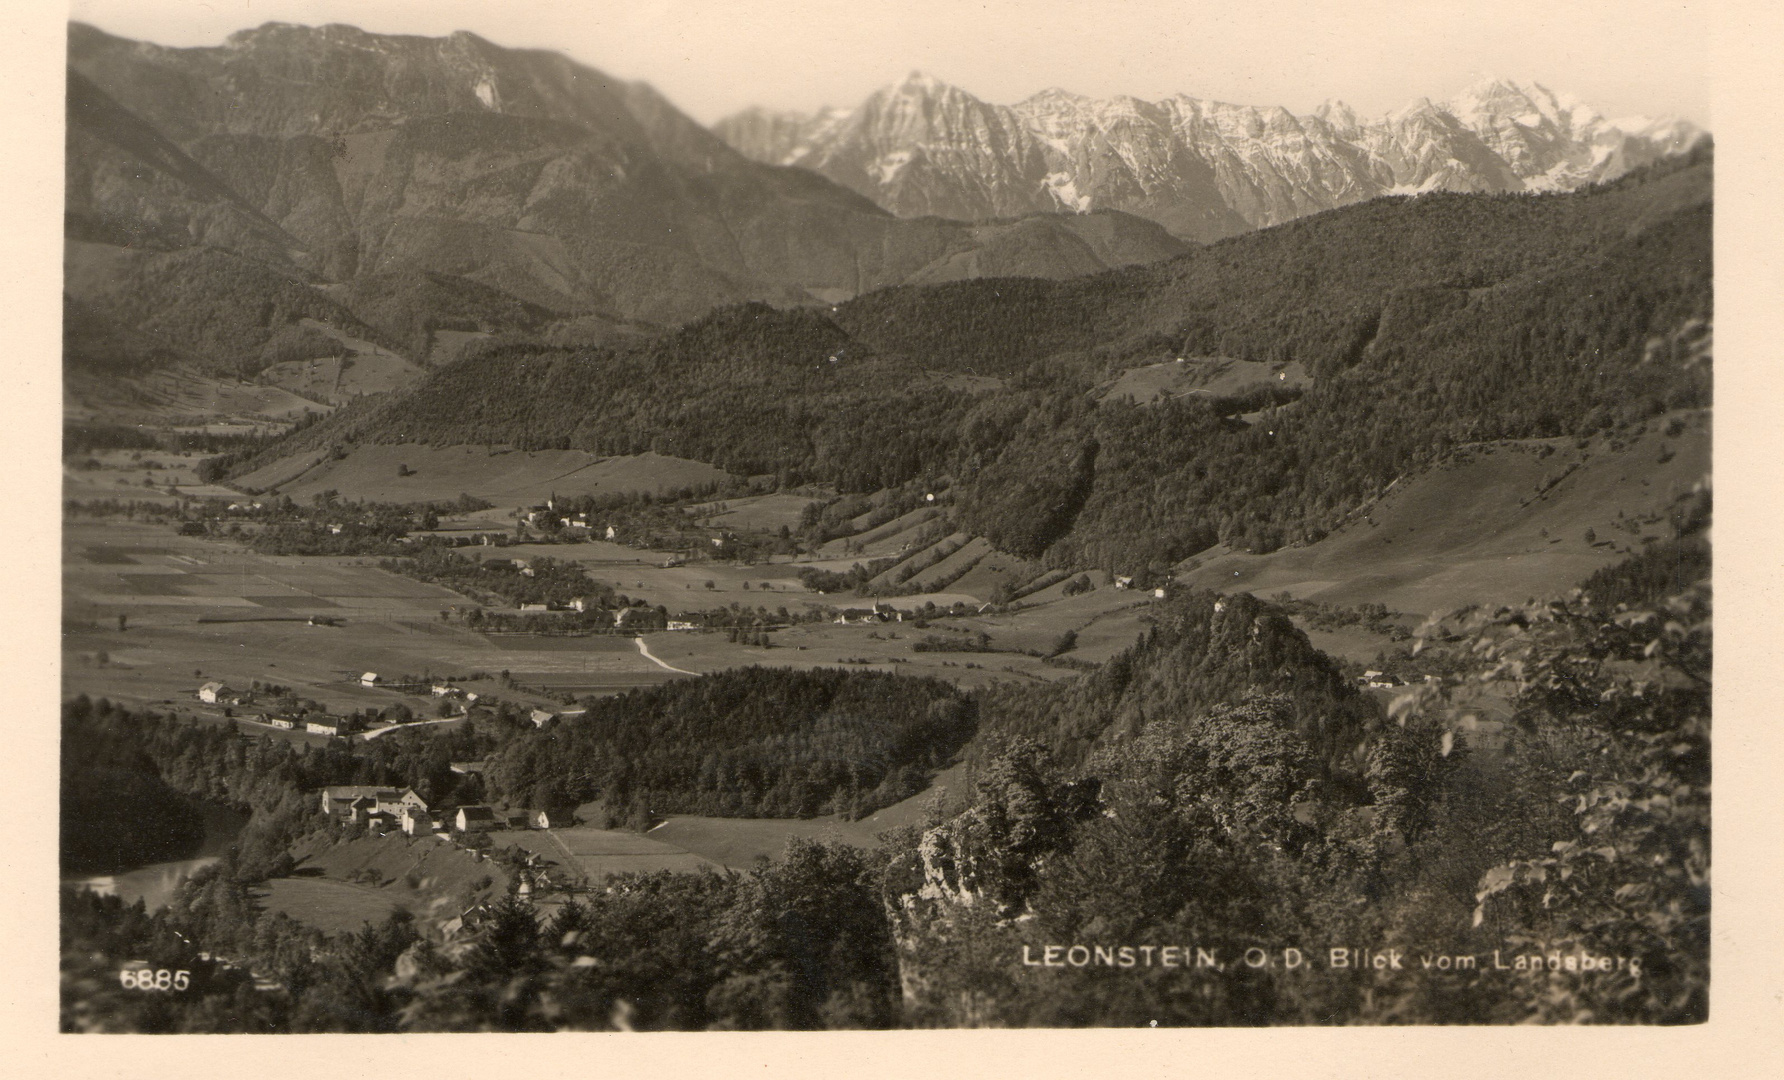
(1424, 322)
(752, 742)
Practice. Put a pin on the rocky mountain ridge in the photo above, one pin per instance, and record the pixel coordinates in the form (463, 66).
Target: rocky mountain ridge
(1203, 169)
(328, 155)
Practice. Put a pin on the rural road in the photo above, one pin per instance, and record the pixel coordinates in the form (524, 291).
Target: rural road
(369, 735)
(648, 655)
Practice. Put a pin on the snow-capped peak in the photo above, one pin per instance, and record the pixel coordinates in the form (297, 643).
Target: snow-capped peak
(1201, 168)
(1337, 113)
(920, 82)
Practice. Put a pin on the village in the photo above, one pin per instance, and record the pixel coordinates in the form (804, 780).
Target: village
(382, 809)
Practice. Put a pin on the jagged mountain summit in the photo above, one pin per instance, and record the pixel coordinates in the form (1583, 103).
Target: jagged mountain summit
(293, 159)
(1203, 169)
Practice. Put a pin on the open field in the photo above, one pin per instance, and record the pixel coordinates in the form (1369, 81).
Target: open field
(1353, 643)
(881, 647)
(599, 854)
(927, 556)
(757, 513)
(1208, 376)
(126, 475)
(330, 906)
(1497, 523)
(256, 627)
(895, 537)
(178, 396)
(338, 379)
(163, 584)
(507, 478)
(688, 842)
(743, 843)
(641, 574)
(428, 876)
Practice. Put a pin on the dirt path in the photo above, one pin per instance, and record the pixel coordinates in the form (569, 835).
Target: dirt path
(412, 724)
(571, 862)
(644, 650)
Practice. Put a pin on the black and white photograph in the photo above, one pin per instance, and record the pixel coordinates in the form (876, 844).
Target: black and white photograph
(680, 517)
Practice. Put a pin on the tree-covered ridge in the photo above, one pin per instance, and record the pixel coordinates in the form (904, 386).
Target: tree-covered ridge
(1427, 323)
(215, 309)
(1202, 650)
(1314, 290)
(751, 742)
(1569, 868)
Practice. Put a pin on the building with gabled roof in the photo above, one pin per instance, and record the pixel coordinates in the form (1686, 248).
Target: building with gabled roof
(416, 821)
(476, 819)
(351, 802)
(553, 819)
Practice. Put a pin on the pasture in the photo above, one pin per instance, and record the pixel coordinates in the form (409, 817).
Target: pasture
(179, 397)
(598, 854)
(257, 626)
(1205, 376)
(340, 885)
(153, 476)
(756, 513)
(334, 907)
(1494, 523)
(744, 843)
(507, 478)
(360, 367)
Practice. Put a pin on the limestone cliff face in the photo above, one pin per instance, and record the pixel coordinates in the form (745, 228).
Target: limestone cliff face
(1203, 169)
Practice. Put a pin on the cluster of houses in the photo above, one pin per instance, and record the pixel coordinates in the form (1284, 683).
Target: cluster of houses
(547, 512)
(315, 724)
(384, 809)
(1126, 581)
(371, 680)
(880, 613)
(219, 693)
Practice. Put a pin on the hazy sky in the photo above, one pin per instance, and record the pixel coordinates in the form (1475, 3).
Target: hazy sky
(715, 56)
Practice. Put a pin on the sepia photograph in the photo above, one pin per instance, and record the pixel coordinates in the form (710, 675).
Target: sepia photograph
(795, 516)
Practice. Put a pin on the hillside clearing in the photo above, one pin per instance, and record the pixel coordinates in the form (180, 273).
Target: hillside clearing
(1495, 523)
(504, 477)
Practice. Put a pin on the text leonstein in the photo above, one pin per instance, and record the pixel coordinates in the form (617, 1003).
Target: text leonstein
(1130, 956)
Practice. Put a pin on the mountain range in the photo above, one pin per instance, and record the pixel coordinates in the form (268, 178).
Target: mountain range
(1203, 169)
(216, 196)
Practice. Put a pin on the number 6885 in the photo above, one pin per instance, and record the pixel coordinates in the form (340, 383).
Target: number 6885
(159, 979)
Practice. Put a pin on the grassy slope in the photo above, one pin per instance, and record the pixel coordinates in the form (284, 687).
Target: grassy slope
(507, 478)
(1473, 530)
(1207, 376)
